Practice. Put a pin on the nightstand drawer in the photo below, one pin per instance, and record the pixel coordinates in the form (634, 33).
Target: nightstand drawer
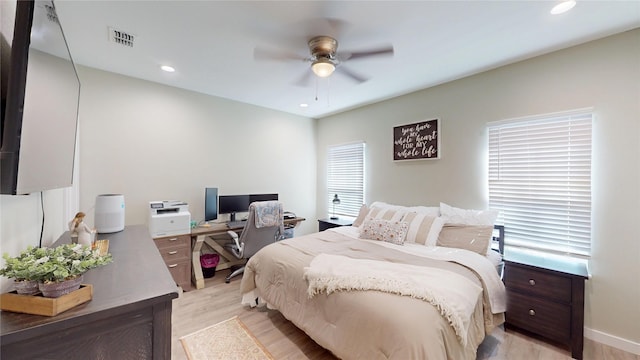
(537, 283)
(546, 318)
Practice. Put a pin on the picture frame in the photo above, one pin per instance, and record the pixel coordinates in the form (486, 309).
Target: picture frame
(417, 141)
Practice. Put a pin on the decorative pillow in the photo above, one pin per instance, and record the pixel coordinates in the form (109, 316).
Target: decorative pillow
(480, 223)
(476, 238)
(395, 213)
(384, 230)
(423, 229)
(364, 210)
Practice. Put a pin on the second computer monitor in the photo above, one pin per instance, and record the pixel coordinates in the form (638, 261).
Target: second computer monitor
(262, 197)
(232, 204)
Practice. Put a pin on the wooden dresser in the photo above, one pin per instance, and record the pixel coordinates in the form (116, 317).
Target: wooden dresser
(176, 253)
(129, 316)
(546, 297)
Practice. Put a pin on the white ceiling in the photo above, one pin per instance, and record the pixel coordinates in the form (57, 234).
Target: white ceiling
(211, 43)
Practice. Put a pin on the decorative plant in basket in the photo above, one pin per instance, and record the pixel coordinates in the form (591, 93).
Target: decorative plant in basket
(57, 270)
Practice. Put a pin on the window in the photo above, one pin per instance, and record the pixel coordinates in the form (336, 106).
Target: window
(540, 181)
(345, 177)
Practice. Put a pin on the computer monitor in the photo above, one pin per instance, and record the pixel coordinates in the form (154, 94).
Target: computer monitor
(232, 204)
(262, 197)
(210, 204)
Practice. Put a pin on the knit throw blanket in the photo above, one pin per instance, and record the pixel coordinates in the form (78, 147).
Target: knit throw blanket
(453, 295)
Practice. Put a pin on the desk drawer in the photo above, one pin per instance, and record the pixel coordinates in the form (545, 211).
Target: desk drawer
(175, 253)
(173, 241)
(181, 272)
(538, 283)
(546, 318)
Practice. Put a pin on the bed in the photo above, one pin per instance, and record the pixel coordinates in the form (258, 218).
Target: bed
(362, 296)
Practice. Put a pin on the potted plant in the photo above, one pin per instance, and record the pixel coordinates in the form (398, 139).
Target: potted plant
(20, 269)
(57, 270)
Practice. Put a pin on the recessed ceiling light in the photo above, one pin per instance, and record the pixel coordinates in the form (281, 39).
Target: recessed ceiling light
(563, 7)
(167, 68)
(303, 105)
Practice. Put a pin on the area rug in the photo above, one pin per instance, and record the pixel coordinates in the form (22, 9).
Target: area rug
(229, 340)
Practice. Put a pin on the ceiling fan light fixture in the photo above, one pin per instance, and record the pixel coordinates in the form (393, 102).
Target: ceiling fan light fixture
(323, 67)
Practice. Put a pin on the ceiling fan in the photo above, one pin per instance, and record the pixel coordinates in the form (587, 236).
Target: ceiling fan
(324, 57)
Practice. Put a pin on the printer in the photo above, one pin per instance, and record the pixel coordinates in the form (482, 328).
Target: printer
(167, 218)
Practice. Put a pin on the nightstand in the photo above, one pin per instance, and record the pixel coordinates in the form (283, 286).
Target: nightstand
(324, 224)
(545, 296)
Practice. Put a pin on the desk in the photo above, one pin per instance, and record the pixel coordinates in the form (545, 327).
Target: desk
(202, 234)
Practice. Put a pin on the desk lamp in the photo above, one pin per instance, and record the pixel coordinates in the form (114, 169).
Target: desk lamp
(335, 201)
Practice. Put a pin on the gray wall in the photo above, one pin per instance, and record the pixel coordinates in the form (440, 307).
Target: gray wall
(155, 142)
(602, 74)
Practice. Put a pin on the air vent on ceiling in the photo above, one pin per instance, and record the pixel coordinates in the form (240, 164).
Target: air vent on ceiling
(121, 37)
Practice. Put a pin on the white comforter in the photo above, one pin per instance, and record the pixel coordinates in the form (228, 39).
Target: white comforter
(367, 324)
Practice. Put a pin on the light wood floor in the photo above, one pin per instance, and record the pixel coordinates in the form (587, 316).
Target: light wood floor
(197, 309)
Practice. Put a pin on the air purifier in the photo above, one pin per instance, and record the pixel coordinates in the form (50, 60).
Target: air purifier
(109, 215)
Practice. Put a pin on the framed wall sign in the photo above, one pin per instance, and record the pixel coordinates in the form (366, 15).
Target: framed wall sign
(417, 141)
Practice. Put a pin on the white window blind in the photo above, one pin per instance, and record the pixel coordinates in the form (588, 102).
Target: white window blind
(345, 177)
(540, 181)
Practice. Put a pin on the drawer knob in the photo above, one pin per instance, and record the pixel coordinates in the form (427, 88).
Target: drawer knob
(532, 282)
(532, 312)
(173, 252)
(174, 265)
(173, 239)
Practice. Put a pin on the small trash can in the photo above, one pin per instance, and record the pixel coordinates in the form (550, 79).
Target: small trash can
(208, 262)
(287, 234)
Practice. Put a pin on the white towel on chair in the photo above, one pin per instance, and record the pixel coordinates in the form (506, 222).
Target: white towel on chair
(269, 213)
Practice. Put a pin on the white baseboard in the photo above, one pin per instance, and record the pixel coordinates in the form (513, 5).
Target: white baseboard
(612, 340)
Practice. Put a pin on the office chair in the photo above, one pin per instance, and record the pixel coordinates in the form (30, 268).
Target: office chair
(264, 226)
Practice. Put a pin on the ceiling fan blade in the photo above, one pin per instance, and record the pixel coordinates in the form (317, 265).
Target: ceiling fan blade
(305, 79)
(357, 77)
(383, 51)
(277, 55)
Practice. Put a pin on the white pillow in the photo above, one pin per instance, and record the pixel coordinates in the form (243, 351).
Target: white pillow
(362, 214)
(427, 210)
(453, 215)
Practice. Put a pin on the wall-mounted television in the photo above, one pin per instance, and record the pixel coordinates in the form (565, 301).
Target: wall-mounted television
(39, 104)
